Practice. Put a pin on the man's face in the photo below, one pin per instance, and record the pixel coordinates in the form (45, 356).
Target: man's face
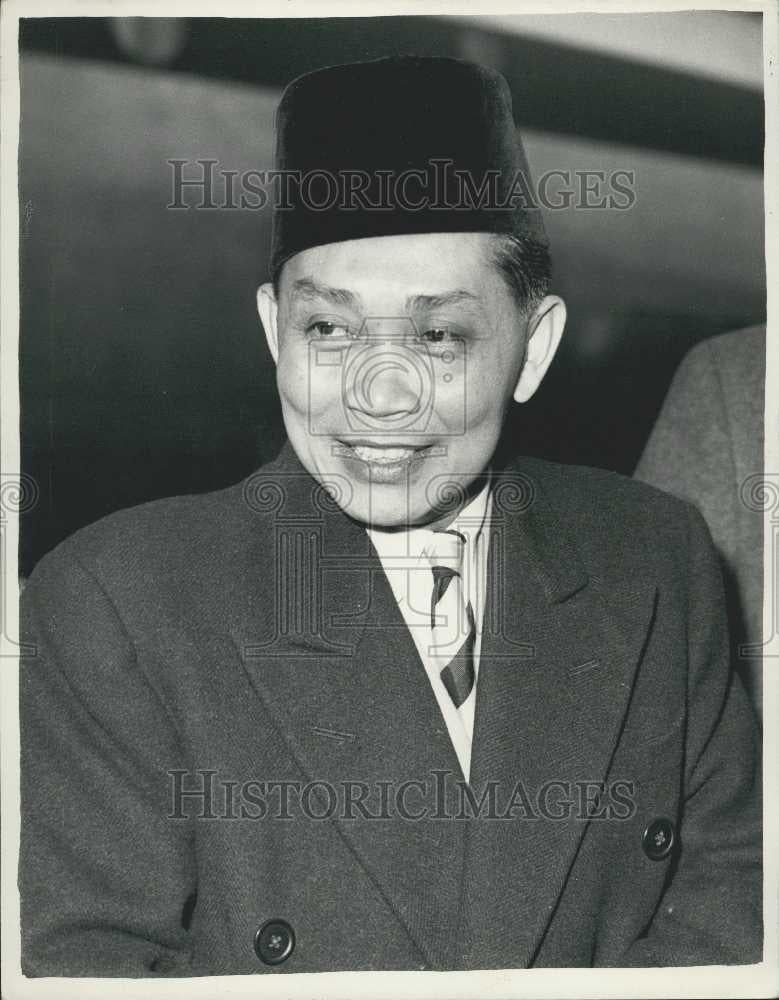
(397, 358)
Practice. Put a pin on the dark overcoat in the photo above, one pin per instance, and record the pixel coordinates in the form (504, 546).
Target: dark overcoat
(214, 681)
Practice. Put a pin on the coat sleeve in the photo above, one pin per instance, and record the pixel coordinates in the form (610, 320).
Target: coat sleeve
(104, 874)
(711, 911)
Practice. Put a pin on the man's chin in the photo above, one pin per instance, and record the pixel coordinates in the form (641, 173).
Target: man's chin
(390, 513)
(379, 516)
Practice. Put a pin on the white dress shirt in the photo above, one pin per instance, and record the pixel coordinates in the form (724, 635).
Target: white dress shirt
(404, 560)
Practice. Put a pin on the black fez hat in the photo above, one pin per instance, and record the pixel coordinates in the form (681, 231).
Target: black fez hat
(349, 135)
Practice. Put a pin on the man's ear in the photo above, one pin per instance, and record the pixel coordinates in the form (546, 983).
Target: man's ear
(544, 331)
(268, 309)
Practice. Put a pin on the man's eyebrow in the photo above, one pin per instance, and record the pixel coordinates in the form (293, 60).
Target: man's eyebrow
(308, 288)
(456, 297)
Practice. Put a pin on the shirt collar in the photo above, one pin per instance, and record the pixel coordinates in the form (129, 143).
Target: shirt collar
(470, 521)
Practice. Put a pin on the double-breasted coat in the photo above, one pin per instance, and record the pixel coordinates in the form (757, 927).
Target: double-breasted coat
(212, 683)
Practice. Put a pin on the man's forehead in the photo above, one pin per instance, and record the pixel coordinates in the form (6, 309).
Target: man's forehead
(424, 270)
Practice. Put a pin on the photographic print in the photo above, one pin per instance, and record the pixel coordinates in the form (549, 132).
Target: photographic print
(388, 506)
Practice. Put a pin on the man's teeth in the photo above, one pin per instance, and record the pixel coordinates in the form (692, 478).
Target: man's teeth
(382, 455)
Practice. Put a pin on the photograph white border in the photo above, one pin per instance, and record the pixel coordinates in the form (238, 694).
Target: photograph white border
(710, 981)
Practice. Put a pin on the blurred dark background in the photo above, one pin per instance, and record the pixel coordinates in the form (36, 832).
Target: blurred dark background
(144, 372)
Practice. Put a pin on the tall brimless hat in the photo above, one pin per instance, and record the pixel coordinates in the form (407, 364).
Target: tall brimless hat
(400, 145)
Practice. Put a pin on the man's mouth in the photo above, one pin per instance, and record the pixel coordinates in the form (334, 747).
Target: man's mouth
(384, 456)
(387, 456)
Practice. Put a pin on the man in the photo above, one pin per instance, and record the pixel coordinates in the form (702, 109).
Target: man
(393, 702)
(707, 447)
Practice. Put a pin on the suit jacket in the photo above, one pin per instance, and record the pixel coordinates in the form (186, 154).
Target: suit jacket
(250, 635)
(707, 447)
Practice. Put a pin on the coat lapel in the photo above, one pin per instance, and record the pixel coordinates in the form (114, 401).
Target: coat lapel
(558, 657)
(339, 673)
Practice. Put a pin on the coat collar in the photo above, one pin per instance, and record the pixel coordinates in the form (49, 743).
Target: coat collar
(322, 605)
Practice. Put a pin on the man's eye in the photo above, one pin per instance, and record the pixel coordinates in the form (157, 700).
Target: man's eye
(438, 334)
(324, 328)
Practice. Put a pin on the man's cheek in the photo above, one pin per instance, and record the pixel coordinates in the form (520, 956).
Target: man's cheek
(481, 404)
(299, 391)
(487, 396)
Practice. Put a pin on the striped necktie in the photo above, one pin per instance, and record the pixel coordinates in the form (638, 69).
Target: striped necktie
(451, 616)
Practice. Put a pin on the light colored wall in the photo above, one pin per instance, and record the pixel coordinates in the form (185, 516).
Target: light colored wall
(720, 45)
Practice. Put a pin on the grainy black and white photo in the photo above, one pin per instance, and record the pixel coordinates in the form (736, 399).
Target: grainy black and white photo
(391, 493)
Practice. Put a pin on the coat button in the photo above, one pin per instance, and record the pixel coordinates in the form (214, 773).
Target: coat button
(274, 942)
(659, 839)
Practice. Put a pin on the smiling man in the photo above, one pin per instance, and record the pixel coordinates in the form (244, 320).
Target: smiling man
(403, 379)
(395, 701)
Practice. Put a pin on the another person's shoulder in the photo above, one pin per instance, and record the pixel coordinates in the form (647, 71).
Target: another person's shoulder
(738, 355)
(708, 435)
(728, 366)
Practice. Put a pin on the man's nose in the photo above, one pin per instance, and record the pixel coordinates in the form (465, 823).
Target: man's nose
(386, 383)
